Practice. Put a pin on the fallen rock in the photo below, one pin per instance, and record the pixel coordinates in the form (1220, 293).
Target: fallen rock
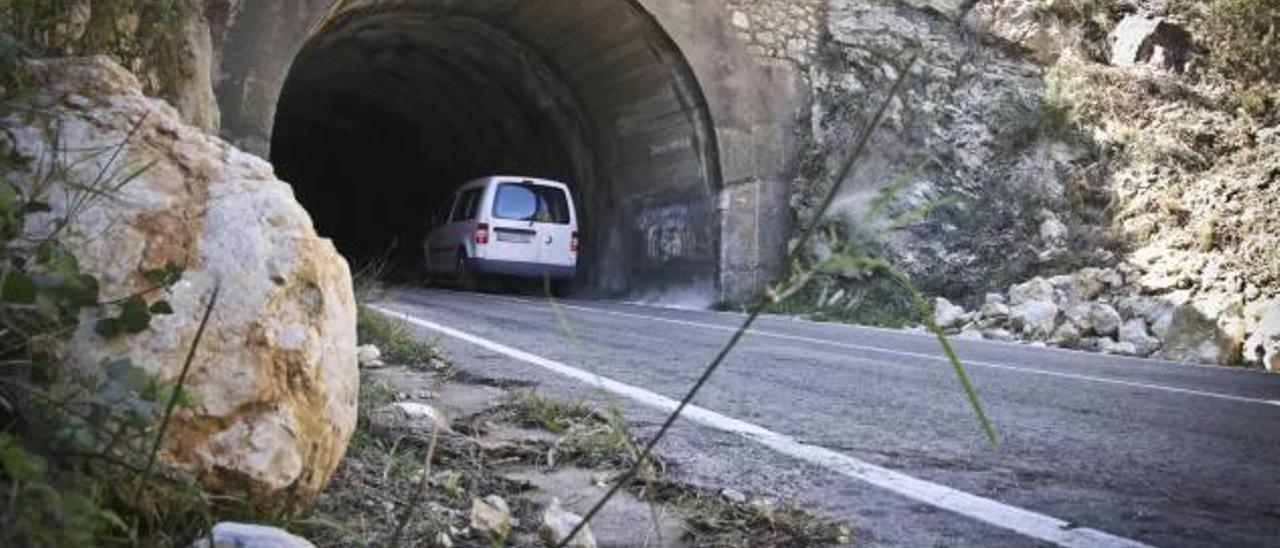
(408, 416)
(993, 313)
(1263, 345)
(1066, 336)
(1108, 346)
(275, 374)
(1095, 318)
(1090, 283)
(1139, 306)
(1105, 319)
(948, 315)
(1035, 319)
(1191, 337)
(491, 517)
(557, 523)
(1034, 290)
(1135, 332)
(368, 355)
(244, 535)
(1142, 40)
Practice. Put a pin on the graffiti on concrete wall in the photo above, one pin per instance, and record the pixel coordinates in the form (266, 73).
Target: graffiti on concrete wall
(667, 232)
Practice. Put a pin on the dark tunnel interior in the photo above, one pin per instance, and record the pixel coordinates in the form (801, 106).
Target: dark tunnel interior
(377, 124)
(384, 114)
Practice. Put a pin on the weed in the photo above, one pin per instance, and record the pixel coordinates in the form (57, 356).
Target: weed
(553, 415)
(711, 520)
(396, 341)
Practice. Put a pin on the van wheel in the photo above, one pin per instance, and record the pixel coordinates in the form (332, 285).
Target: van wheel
(466, 278)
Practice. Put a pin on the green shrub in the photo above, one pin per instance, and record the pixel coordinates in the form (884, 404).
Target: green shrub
(1243, 37)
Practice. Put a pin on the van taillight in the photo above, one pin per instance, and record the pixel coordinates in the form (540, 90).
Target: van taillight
(482, 234)
(573, 243)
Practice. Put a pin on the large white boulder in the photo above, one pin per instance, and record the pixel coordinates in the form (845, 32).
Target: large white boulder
(948, 315)
(1094, 318)
(1035, 289)
(275, 378)
(1263, 344)
(1192, 337)
(1135, 332)
(1035, 319)
(1142, 40)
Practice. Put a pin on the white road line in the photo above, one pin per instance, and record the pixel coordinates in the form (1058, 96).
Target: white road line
(904, 353)
(1031, 524)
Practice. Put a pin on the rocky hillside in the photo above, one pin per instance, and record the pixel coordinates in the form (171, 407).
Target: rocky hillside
(1137, 140)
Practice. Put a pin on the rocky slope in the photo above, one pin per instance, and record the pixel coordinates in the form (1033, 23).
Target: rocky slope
(1035, 139)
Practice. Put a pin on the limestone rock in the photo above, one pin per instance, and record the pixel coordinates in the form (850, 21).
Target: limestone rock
(1034, 290)
(243, 535)
(948, 315)
(557, 523)
(1263, 345)
(369, 356)
(994, 311)
(1095, 318)
(1053, 235)
(1109, 346)
(1066, 335)
(1035, 319)
(1139, 306)
(1020, 22)
(275, 375)
(408, 416)
(491, 517)
(1091, 283)
(1135, 332)
(1191, 337)
(1141, 40)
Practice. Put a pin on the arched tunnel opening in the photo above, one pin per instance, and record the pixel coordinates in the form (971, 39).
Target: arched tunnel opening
(385, 112)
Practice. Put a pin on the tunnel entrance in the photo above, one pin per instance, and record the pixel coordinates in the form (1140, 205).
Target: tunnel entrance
(386, 111)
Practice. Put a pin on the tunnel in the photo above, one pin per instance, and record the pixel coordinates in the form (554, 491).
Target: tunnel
(390, 106)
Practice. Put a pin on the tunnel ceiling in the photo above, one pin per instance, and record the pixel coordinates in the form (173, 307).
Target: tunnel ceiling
(385, 111)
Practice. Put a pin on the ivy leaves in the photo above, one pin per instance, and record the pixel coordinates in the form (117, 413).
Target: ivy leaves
(134, 314)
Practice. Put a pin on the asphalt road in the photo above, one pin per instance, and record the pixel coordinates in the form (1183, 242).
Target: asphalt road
(1118, 448)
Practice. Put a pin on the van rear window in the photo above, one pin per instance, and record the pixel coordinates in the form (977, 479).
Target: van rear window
(531, 202)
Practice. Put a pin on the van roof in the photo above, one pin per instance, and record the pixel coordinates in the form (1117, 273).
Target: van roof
(490, 178)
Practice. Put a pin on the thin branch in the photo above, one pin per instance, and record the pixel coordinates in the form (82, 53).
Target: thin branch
(421, 492)
(177, 390)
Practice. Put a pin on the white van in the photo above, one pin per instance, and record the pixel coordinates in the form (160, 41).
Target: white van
(504, 226)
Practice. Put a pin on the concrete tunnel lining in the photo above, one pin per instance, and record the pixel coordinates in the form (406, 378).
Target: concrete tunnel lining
(385, 111)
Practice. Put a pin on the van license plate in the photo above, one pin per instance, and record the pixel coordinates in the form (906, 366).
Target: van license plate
(515, 237)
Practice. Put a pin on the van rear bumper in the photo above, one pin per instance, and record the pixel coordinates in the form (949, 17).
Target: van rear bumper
(521, 269)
